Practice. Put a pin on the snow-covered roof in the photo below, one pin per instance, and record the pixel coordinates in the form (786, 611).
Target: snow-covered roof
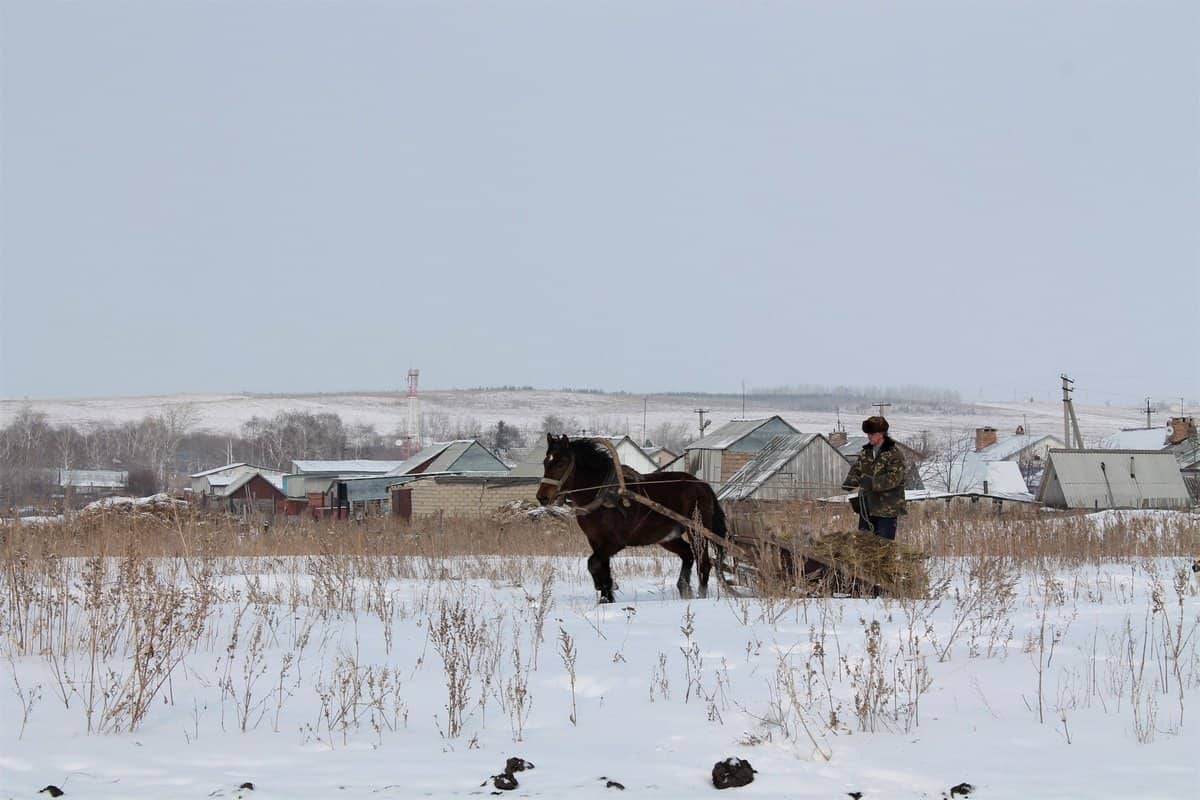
(765, 463)
(1136, 439)
(732, 432)
(969, 472)
(1009, 446)
(346, 467)
(215, 470)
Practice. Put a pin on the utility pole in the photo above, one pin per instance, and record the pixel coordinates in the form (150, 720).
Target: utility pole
(1147, 412)
(644, 401)
(703, 422)
(881, 407)
(1069, 421)
(743, 398)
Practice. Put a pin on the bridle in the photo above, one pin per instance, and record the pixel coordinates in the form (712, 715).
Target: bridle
(557, 483)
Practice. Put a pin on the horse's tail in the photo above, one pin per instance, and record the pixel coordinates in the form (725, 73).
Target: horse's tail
(714, 512)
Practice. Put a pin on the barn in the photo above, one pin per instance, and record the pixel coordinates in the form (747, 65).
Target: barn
(792, 466)
(716, 457)
(1095, 479)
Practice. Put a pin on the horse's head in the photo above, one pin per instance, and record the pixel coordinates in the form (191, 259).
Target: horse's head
(557, 467)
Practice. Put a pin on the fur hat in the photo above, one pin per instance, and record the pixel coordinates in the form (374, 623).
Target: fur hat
(875, 425)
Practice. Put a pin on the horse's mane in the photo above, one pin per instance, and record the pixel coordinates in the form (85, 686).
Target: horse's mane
(591, 455)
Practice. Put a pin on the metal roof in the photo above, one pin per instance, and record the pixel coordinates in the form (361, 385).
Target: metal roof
(732, 432)
(215, 470)
(765, 463)
(441, 457)
(1113, 479)
(352, 465)
(243, 479)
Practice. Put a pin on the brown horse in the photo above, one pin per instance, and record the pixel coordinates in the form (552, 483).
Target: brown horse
(582, 473)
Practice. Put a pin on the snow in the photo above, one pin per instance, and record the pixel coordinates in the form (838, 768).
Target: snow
(663, 689)
(598, 412)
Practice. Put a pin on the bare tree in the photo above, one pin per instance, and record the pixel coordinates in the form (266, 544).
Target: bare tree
(948, 468)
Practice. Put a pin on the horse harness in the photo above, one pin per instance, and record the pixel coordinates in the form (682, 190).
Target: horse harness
(605, 496)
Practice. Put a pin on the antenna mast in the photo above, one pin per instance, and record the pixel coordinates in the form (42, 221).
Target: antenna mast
(414, 410)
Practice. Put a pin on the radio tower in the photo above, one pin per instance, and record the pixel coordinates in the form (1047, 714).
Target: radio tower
(414, 412)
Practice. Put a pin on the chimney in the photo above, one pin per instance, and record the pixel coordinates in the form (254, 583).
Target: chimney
(1181, 428)
(1020, 430)
(984, 437)
(837, 438)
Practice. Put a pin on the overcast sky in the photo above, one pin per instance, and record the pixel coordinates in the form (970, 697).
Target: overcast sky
(290, 196)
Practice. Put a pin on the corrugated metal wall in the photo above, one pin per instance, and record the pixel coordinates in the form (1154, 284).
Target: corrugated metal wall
(816, 471)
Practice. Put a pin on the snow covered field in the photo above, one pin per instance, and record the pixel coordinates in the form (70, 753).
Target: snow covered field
(612, 413)
(336, 676)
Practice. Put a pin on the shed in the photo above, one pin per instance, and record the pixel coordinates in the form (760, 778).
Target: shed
(312, 477)
(716, 457)
(1095, 479)
(792, 466)
(253, 492)
(93, 481)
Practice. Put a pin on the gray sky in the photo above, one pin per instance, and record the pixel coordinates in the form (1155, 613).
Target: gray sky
(288, 196)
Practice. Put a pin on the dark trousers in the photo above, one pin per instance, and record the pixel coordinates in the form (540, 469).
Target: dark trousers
(884, 527)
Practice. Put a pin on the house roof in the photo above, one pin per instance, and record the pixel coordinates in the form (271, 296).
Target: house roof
(215, 470)
(732, 432)
(443, 457)
(347, 466)
(1009, 446)
(241, 480)
(765, 463)
(1136, 439)
(966, 474)
(1111, 478)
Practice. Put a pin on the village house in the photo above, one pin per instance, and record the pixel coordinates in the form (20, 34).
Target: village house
(239, 488)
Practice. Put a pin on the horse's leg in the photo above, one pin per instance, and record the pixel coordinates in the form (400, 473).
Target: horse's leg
(703, 564)
(681, 548)
(601, 573)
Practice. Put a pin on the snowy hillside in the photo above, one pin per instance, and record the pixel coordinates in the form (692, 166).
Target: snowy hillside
(598, 412)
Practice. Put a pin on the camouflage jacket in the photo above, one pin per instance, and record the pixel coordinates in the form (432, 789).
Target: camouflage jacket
(887, 471)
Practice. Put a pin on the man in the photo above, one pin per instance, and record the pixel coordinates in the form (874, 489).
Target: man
(878, 474)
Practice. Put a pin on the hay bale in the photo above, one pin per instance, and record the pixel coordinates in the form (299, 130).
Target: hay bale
(855, 562)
